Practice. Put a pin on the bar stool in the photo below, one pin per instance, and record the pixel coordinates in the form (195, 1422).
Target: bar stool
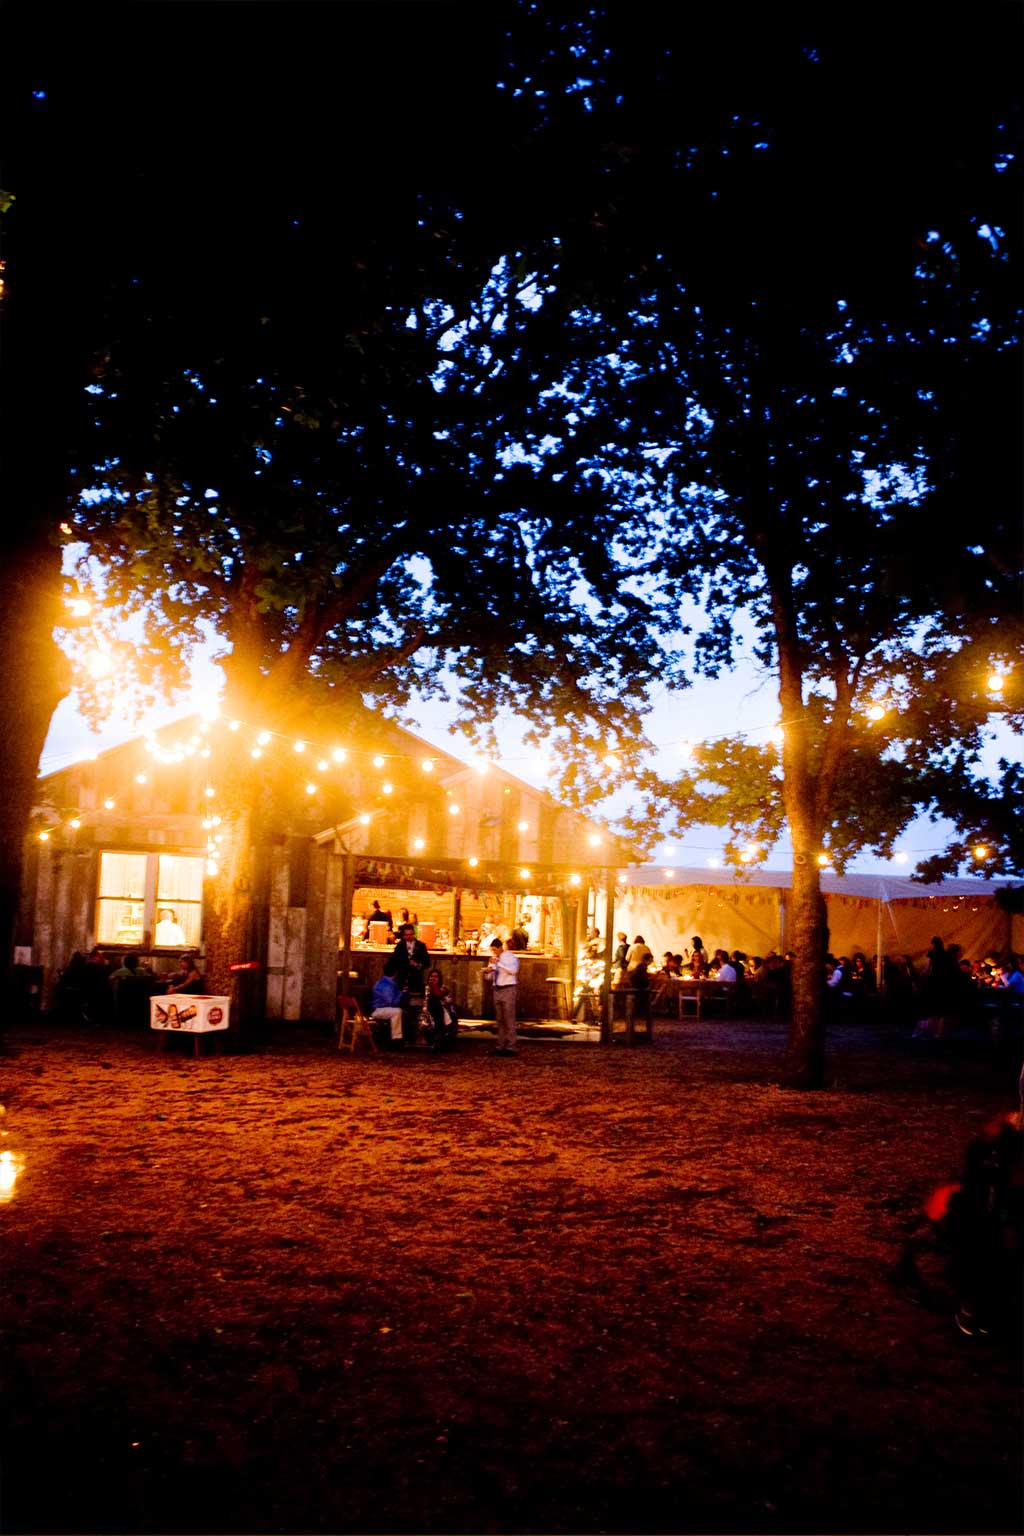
(558, 1003)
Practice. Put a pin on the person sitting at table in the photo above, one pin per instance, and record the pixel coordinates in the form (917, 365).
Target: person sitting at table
(671, 964)
(726, 970)
(386, 1002)
(444, 1022)
(698, 958)
(187, 978)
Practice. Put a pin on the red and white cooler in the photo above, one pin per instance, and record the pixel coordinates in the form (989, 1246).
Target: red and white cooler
(193, 1015)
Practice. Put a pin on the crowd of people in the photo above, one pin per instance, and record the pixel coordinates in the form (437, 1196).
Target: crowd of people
(93, 989)
(945, 987)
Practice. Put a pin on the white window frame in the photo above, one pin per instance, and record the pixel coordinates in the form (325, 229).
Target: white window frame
(148, 901)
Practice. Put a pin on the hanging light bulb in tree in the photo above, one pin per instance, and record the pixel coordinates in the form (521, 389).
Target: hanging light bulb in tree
(877, 712)
(996, 683)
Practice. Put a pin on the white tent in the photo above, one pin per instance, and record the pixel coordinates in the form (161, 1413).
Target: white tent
(747, 910)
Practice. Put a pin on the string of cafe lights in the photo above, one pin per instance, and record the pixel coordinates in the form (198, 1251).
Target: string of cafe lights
(198, 745)
(325, 755)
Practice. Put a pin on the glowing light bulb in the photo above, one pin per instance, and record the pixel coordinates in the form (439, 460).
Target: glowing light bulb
(981, 852)
(194, 741)
(877, 712)
(524, 874)
(205, 752)
(65, 527)
(746, 856)
(996, 683)
(212, 867)
(209, 791)
(207, 823)
(256, 752)
(473, 863)
(44, 837)
(670, 874)
(233, 725)
(262, 738)
(427, 765)
(418, 844)
(9, 1170)
(622, 878)
(575, 879)
(108, 805)
(79, 607)
(386, 788)
(323, 765)
(310, 789)
(300, 746)
(481, 764)
(75, 823)
(216, 821)
(594, 840)
(612, 761)
(140, 778)
(339, 754)
(823, 859)
(524, 826)
(364, 819)
(378, 761)
(453, 809)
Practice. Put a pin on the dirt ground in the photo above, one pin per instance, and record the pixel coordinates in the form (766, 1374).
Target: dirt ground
(586, 1289)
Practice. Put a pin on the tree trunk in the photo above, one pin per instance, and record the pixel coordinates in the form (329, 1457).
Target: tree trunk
(34, 679)
(228, 921)
(804, 1066)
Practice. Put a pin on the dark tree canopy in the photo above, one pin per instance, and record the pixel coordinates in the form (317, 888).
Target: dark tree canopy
(495, 337)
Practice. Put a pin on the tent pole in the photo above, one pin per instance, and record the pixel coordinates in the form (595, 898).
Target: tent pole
(609, 924)
(878, 944)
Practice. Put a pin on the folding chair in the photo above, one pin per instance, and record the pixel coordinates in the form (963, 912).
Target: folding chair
(717, 998)
(352, 1023)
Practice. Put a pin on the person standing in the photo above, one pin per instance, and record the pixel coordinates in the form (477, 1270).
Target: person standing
(503, 973)
(411, 961)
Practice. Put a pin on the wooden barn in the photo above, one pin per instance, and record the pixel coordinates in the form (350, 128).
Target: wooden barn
(119, 847)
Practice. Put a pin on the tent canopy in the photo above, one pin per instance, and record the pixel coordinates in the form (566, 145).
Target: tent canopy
(869, 887)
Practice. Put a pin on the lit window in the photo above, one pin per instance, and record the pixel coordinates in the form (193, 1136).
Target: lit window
(150, 898)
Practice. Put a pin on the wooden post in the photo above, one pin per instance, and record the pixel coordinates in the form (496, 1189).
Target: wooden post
(456, 919)
(348, 891)
(571, 940)
(609, 924)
